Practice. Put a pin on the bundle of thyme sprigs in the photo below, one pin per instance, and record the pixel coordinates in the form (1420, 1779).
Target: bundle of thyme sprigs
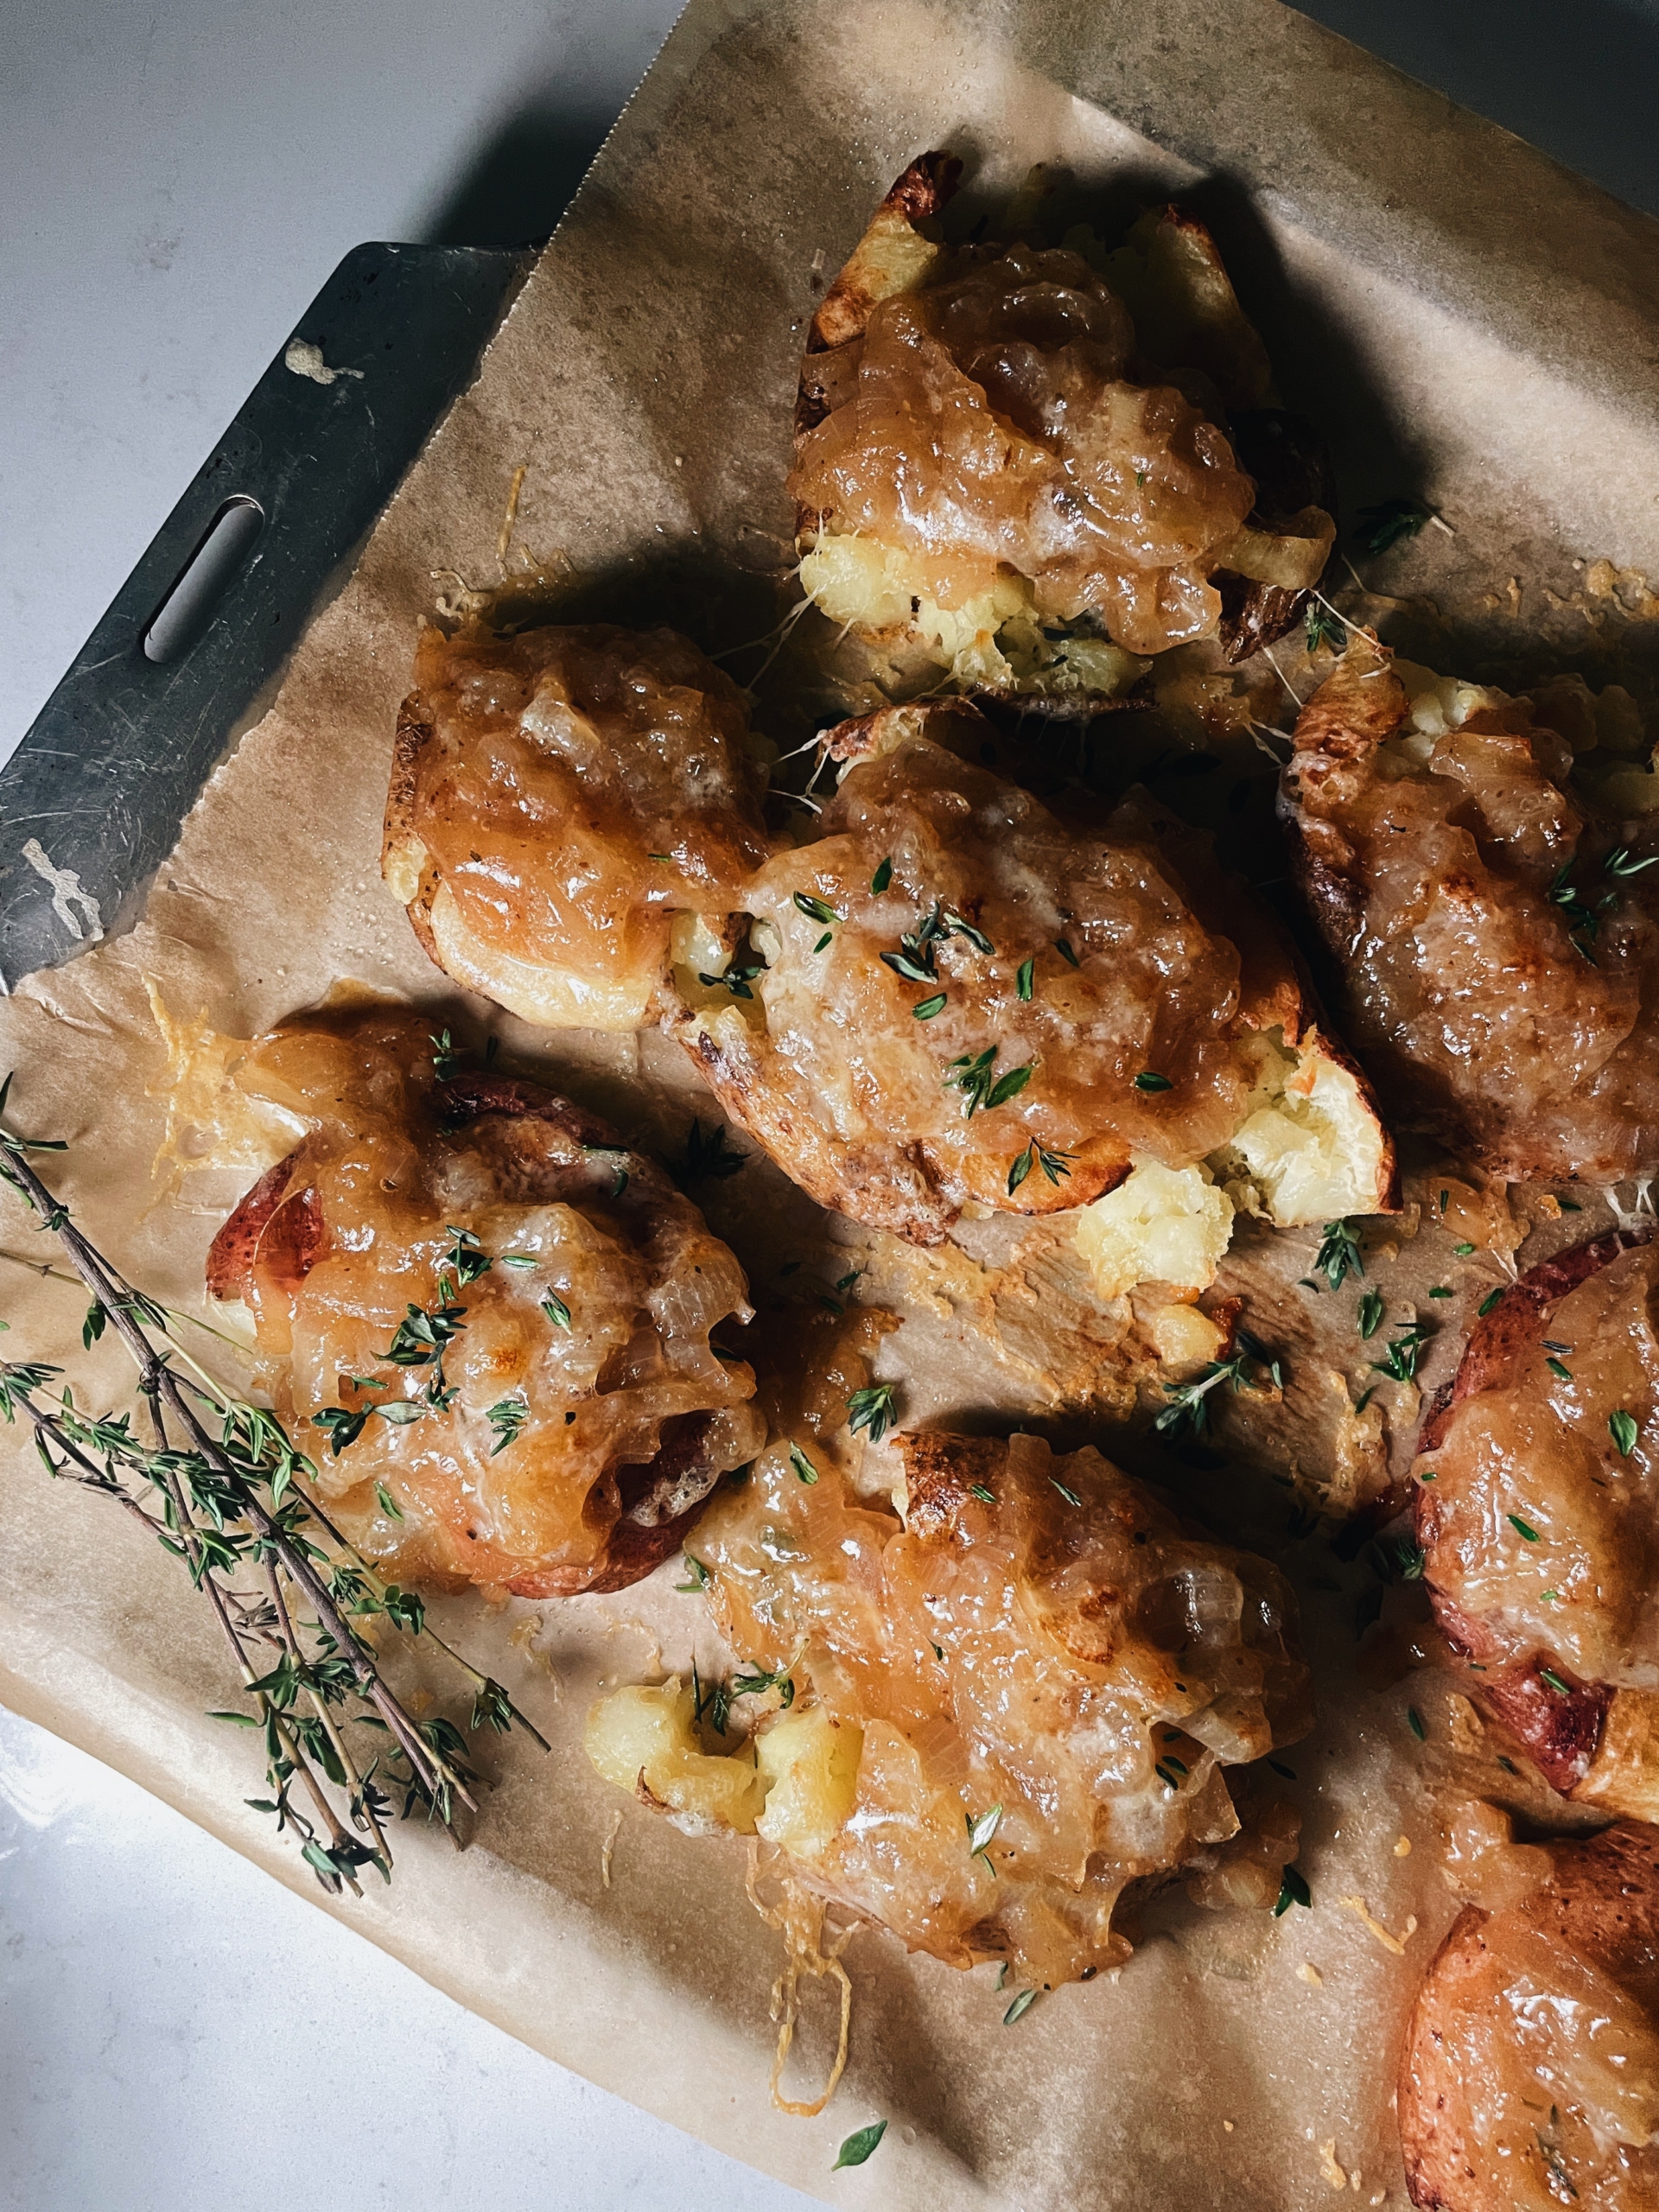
(221, 1486)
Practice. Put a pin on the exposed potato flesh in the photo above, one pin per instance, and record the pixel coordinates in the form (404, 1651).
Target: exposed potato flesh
(1538, 1525)
(1161, 1224)
(1491, 916)
(1133, 1011)
(555, 797)
(586, 1335)
(809, 1764)
(644, 1738)
(1530, 2073)
(1089, 1669)
(1004, 466)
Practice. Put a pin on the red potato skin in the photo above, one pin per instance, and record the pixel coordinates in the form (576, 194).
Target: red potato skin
(282, 1231)
(1559, 1733)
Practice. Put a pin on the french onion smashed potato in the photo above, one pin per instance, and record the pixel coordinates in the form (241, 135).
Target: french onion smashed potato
(995, 1715)
(1495, 930)
(555, 799)
(499, 1315)
(1530, 2075)
(1013, 466)
(948, 997)
(1538, 1516)
(955, 998)
(985, 1724)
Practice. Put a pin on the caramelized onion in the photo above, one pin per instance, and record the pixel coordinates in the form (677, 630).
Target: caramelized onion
(987, 422)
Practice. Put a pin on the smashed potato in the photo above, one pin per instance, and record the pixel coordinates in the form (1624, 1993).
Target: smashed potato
(556, 800)
(1012, 461)
(1538, 1522)
(953, 997)
(1495, 925)
(497, 1315)
(982, 1724)
(1530, 2075)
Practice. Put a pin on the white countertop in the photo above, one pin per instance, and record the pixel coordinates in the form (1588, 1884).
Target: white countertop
(179, 178)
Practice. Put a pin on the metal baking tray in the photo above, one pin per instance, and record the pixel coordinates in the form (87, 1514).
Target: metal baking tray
(194, 644)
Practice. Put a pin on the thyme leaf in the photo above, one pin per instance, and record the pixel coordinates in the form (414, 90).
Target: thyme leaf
(858, 2147)
(1054, 1165)
(1339, 1255)
(871, 1410)
(507, 1417)
(1389, 521)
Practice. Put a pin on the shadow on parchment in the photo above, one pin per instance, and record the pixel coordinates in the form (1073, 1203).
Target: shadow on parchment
(522, 181)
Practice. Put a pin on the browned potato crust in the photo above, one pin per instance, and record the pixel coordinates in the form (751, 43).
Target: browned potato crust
(1501, 2036)
(1494, 927)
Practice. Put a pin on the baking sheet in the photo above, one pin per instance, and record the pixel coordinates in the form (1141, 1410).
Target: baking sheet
(1466, 321)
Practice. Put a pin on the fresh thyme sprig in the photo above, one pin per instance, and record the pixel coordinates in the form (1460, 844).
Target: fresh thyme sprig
(736, 980)
(1054, 1165)
(1339, 1256)
(1583, 920)
(1188, 1414)
(871, 1410)
(507, 1417)
(1582, 915)
(709, 1156)
(1323, 625)
(235, 1504)
(1390, 520)
(1403, 1352)
(975, 1075)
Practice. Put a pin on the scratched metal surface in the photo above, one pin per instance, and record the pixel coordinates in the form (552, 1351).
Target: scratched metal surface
(91, 801)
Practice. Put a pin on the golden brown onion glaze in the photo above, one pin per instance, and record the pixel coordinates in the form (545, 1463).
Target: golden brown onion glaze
(1089, 1668)
(1538, 1513)
(1107, 975)
(1530, 2075)
(555, 797)
(628, 1418)
(1027, 436)
(1436, 839)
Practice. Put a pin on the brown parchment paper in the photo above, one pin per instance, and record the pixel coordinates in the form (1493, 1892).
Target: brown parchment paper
(1465, 320)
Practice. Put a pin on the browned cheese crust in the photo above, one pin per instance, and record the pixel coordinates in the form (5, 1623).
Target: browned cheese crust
(1495, 937)
(1529, 2079)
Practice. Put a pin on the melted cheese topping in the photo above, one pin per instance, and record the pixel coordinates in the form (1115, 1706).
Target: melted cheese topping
(628, 1391)
(1440, 840)
(1088, 1669)
(574, 788)
(1070, 1022)
(1535, 1447)
(985, 424)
